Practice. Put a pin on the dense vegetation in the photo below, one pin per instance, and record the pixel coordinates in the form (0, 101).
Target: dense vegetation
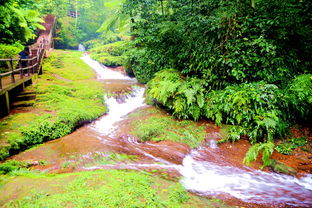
(236, 62)
(66, 96)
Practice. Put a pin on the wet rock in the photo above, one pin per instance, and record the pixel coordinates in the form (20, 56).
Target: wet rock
(280, 167)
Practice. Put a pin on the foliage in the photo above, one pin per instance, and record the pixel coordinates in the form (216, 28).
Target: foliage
(286, 147)
(12, 165)
(235, 62)
(70, 102)
(265, 148)
(18, 22)
(258, 110)
(299, 93)
(87, 25)
(185, 97)
(223, 42)
(8, 51)
(68, 36)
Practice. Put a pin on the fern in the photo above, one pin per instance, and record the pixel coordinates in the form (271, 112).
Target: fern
(253, 152)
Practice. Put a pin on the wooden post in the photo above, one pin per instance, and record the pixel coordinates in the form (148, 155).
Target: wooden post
(12, 69)
(0, 82)
(7, 101)
(32, 66)
(20, 65)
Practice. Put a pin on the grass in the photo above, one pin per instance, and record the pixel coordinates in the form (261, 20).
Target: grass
(109, 188)
(158, 127)
(66, 95)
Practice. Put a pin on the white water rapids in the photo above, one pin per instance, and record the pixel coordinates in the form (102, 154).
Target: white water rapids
(206, 177)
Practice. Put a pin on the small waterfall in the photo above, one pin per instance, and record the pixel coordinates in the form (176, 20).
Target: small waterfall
(213, 144)
(105, 125)
(81, 48)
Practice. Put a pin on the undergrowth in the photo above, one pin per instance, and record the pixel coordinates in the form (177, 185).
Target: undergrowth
(258, 110)
(66, 96)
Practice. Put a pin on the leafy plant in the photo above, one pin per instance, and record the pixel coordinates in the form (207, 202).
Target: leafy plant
(265, 148)
(12, 165)
(286, 147)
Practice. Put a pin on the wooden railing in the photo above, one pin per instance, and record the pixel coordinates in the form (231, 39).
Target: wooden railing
(33, 65)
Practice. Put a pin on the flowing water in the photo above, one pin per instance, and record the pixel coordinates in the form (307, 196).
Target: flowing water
(202, 175)
(203, 170)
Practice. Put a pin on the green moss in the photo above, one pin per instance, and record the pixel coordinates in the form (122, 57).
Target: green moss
(108, 60)
(112, 188)
(280, 167)
(110, 54)
(158, 127)
(66, 95)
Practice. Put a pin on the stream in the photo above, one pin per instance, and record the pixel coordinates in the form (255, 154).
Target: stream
(204, 171)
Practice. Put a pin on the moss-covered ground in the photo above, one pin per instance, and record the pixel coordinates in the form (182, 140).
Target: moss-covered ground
(154, 125)
(111, 54)
(109, 188)
(66, 95)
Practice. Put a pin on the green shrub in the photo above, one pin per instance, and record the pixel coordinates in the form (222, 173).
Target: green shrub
(256, 108)
(286, 147)
(108, 60)
(184, 97)
(12, 165)
(299, 93)
(8, 51)
(143, 64)
(265, 148)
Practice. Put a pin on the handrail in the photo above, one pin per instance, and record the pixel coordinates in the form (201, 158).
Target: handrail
(33, 63)
(19, 59)
(34, 67)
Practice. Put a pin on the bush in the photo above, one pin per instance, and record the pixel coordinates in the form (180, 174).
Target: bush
(143, 64)
(8, 51)
(184, 97)
(299, 93)
(12, 165)
(258, 110)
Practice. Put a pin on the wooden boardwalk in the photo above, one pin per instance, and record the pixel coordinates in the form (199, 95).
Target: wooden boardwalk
(22, 72)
